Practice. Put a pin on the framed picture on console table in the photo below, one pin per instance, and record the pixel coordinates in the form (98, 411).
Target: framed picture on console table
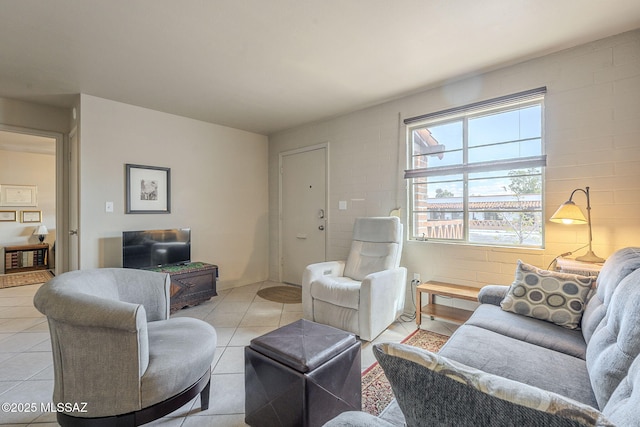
(148, 189)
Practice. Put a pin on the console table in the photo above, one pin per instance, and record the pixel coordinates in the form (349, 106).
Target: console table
(20, 258)
(450, 290)
(191, 284)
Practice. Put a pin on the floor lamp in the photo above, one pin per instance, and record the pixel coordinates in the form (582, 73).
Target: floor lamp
(570, 213)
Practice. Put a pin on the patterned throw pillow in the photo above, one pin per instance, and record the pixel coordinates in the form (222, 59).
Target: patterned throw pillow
(548, 295)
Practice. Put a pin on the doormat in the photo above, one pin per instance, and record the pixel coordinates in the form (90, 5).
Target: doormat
(22, 279)
(282, 294)
(376, 390)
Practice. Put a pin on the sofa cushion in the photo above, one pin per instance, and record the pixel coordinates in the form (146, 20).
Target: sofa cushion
(548, 295)
(520, 361)
(533, 331)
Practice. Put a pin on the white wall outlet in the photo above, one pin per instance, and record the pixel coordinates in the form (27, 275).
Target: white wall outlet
(416, 276)
(342, 205)
(108, 207)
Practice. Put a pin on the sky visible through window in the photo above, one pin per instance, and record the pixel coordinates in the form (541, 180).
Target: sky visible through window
(504, 206)
(510, 134)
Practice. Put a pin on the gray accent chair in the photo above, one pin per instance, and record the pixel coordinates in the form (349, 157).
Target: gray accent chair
(116, 352)
(505, 369)
(365, 293)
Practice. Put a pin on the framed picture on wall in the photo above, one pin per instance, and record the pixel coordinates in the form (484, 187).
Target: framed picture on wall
(148, 189)
(31, 216)
(18, 195)
(8, 216)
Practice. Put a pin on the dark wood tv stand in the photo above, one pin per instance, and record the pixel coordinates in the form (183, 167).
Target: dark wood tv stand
(191, 284)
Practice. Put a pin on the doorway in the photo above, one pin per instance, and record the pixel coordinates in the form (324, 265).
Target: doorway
(30, 159)
(303, 210)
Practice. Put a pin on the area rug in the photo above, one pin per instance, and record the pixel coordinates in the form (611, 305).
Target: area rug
(283, 294)
(376, 390)
(22, 279)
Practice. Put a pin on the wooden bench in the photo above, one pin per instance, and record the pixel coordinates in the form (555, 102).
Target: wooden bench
(450, 290)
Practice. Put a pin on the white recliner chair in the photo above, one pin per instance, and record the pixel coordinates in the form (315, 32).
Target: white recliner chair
(365, 294)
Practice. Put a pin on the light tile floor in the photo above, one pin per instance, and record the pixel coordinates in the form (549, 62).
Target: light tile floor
(239, 314)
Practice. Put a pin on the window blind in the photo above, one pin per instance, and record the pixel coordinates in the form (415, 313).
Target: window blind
(494, 102)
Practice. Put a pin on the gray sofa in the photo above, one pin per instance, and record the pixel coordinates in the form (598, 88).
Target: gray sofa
(503, 368)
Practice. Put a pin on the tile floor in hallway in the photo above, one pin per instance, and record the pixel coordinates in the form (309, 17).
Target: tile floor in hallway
(239, 314)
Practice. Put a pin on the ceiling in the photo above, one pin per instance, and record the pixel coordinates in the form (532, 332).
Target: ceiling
(268, 65)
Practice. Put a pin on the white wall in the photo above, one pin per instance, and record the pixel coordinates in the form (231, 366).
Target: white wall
(592, 134)
(29, 169)
(218, 186)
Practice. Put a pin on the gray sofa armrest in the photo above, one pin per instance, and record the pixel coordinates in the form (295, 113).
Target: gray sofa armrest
(357, 419)
(492, 294)
(432, 387)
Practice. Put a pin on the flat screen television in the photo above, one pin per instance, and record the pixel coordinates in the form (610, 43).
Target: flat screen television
(156, 248)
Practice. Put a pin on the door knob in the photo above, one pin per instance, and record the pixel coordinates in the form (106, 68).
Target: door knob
(321, 227)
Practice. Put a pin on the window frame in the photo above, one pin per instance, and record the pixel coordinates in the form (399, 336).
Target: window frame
(464, 115)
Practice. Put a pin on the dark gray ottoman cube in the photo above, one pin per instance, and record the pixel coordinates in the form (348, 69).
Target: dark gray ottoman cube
(302, 374)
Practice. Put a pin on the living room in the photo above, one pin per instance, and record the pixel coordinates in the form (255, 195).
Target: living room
(225, 180)
(595, 148)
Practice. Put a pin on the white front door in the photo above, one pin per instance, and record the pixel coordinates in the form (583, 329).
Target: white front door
(303, 179)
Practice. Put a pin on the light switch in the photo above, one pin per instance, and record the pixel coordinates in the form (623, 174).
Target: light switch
(108, 207)
(342, 205)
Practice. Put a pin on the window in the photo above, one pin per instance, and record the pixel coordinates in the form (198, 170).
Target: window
(477, 173)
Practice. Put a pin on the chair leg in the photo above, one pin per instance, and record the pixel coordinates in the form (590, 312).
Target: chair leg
(204, 396)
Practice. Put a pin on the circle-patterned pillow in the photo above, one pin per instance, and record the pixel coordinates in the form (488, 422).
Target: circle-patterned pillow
(548, 295)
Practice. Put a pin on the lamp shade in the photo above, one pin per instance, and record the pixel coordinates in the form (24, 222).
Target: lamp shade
(568, 213)
(40, 230)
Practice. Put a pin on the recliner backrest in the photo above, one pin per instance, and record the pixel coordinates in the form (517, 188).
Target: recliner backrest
(376, 246)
